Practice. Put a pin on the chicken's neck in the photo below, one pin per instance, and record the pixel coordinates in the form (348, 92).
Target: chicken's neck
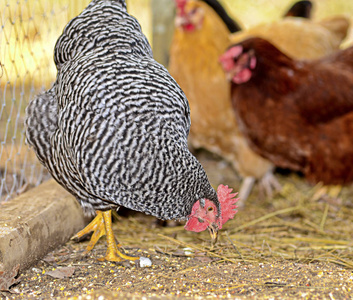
(204, 46)
(275, 73)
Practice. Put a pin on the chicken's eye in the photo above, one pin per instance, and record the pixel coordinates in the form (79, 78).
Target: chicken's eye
(210, 208)
(193, 11)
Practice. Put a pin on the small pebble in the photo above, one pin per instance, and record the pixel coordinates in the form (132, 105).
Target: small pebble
(145, 262)
(36, 270)
(188, 251)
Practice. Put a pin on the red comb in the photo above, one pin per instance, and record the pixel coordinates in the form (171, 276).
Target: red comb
(181, 5)
(228, 202)
(227, 58)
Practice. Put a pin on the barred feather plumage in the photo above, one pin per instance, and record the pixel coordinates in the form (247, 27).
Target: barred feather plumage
(113, 128)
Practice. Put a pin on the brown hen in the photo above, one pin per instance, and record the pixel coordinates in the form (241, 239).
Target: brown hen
(296, 113)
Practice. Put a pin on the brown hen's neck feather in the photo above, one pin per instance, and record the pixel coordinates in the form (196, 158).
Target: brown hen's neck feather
(204, 44)
(275, 70)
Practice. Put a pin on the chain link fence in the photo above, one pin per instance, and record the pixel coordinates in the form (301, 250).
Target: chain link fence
(29, 30)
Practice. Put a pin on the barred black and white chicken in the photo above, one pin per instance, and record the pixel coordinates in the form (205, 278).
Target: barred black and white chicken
(113, 129)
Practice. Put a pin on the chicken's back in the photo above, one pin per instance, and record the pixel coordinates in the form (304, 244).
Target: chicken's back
(307, 39)
(103, 23)
(326, 106)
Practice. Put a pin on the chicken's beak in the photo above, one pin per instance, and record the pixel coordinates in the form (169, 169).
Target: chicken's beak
(213, 229)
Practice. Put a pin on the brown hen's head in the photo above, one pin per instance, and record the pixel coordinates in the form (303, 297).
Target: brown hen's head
(253, 57)
(204, 214)
(189, 16)
(238, 63)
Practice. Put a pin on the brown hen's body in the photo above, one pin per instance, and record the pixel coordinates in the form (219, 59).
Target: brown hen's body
(299, 114)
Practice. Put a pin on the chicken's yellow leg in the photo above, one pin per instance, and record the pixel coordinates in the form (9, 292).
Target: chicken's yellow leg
(102, 225)
(98, 228)
(113, 253)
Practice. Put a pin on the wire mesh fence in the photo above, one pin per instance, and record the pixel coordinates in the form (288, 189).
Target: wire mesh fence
(27, 37)
(29, 30)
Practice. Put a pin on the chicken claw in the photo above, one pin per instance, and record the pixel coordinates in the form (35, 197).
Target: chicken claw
(102, 225)
(269, 185)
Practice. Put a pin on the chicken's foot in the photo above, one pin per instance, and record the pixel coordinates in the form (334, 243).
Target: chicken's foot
(329, 194)
(102, 225)
(269, 185)
(98, 228)
(113, 253)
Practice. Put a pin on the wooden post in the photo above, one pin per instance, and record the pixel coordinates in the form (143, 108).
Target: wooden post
(35, 223)
(163, 12)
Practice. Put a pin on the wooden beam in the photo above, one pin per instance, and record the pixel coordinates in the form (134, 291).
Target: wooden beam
(35, 223)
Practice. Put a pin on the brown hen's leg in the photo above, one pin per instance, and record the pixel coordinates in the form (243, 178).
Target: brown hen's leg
(329, 194)
(245, 190)
(269, 185)
(102, 225)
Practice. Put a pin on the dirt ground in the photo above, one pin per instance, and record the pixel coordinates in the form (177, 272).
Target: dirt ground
(177, 275)
(290, 246)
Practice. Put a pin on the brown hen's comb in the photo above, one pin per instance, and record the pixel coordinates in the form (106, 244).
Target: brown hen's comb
(228, 202)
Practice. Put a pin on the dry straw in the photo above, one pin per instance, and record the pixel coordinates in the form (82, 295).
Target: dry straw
(301, 223)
